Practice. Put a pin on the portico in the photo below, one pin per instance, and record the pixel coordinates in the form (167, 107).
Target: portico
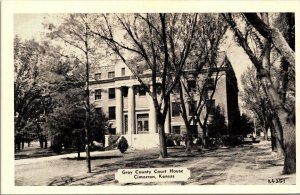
(135, 116)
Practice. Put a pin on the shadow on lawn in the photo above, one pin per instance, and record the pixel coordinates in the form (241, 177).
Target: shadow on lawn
(93, 158)
(103, 172)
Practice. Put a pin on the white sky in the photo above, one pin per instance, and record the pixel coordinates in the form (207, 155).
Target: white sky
(28, 26)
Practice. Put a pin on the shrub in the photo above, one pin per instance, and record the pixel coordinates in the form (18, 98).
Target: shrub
(123, 144)
(174, 139)
(169, 142)
(232, 140)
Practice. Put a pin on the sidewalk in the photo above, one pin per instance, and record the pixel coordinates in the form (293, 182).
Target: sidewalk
(50, 158)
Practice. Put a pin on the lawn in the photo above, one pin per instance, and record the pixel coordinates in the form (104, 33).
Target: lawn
(250, 164)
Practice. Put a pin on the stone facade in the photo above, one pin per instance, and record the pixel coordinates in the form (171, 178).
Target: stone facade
(131, 110)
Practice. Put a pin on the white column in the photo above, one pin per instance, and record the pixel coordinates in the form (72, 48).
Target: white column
(131, 117)
(119, 110)
(152, 117)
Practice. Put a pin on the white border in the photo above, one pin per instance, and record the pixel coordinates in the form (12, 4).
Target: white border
(10, 7)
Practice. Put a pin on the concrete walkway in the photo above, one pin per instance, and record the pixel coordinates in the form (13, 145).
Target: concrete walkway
(71, 155)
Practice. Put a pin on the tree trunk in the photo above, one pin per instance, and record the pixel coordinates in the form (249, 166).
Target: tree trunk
(23, 144)
(189, 140)
(290, 147)
(285, 131)
(162, 138)
(41, 142)
(272, 34)
(87, 150)
(273, 136)
(265, 130)
(19, 146)
(78, 151)
(87, 101)
(279, 114)
(46, 144)
(290, 157)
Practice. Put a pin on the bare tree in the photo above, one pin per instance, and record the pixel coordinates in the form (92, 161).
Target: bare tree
(159, 42)
(204, 67)
(74, 32)
(258, 104)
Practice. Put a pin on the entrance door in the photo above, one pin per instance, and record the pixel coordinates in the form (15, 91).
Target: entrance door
(142, 123)
(125, 131)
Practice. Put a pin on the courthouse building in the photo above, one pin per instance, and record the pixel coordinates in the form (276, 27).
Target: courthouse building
(130, 109)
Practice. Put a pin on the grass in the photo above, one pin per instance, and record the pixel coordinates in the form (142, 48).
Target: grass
(251, 164)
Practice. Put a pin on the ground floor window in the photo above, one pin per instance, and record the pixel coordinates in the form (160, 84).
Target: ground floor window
(176, 129)
(142, 123)
(112, 113)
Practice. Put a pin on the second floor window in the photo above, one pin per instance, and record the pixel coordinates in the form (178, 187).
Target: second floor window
(123, 72)
(111, 93)
(97, 94)
(191, 85)
(175, 109)
(111, 75)
(192, 107)
(158, 88)
(142, 90)
(97, 76)
(211, 106)
(125, 91)
(210, 83)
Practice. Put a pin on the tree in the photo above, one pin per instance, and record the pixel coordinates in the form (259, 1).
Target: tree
(258, 104)
(217, 126)
(29, 92)
(284, 125)
(75, 33)
(204, 66)
(247, 125)
(161, 43)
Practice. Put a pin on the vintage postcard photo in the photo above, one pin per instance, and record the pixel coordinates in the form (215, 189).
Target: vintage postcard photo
(128, 99)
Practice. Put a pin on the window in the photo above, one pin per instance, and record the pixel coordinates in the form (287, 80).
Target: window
(98, 112)
(210, 83)
(142, 123)
(112, 113)
(192, 107)
(158, 88)
(97, 94)
(210, 106)
(176, 109)
(192, 85)
(111, 93)
(123, 71)
(142, 90)
(97, 76)
(125, 91)
(176, 129)
(176, 88)
(139, 70)
(111, 75)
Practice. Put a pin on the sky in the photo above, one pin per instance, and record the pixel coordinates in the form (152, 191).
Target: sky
(28, 26)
